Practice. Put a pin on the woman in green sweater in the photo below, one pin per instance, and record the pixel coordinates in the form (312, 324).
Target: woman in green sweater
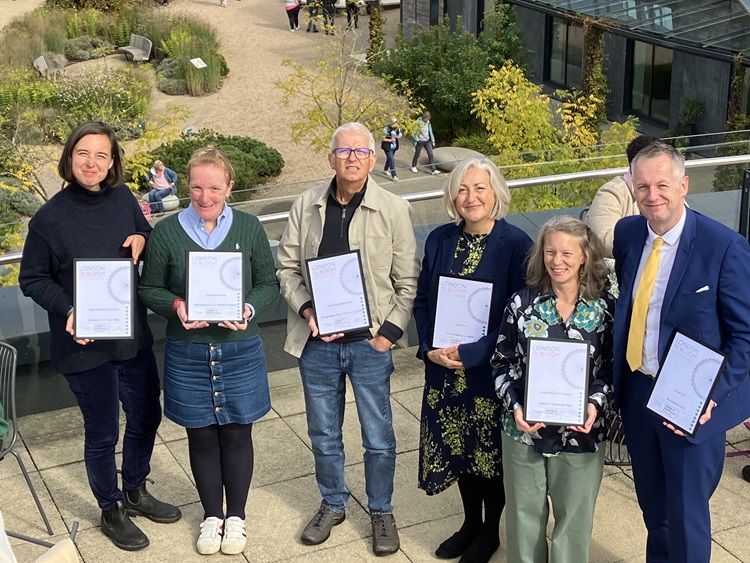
(215, 379)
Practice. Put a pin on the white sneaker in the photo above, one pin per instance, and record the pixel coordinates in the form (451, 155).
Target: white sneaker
(209, 542)
(394, 178)
(235, 536)
(436, 172)
(414, 169)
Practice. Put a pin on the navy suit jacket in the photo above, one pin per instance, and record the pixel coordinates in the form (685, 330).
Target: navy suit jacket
(709, 254)
(502, 263)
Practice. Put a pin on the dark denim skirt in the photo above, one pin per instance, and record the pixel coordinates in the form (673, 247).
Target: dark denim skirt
(215, 383)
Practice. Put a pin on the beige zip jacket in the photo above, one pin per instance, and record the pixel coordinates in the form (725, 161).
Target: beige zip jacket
(382, 231)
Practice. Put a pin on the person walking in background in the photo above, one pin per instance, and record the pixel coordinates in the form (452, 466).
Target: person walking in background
(615, 199)
(352, 14)
(96, 216)
(329, 15)
(313, 8)
(163, 182)
(292, 12)
(566, 298)
(391, 134)
(215, 378)
(678, 270)
(424, 138)
(350, 212)
(460, 423)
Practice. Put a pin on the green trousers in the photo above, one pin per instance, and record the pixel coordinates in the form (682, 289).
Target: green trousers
(572, 482)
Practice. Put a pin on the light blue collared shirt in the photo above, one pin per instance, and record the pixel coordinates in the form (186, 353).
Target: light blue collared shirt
(195, 227)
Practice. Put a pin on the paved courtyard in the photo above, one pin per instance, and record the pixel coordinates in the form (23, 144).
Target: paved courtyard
(284, 495)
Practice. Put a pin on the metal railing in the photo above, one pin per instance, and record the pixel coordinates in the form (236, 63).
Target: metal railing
(513, 184)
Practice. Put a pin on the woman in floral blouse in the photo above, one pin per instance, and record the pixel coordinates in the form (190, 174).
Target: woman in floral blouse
(566, 298)
(460, 431)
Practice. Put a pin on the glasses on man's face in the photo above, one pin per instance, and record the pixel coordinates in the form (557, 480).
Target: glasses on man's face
(343, 154)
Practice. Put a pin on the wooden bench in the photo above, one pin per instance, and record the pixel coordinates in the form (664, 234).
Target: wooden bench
(139, 48)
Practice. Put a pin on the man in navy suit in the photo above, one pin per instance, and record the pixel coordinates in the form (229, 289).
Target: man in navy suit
(700, 287)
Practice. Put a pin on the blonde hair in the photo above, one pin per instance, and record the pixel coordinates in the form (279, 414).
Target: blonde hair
(497, 182)
(214, 157)
(594, 272)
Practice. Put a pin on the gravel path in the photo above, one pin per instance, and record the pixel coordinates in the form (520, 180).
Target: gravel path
(255, 38)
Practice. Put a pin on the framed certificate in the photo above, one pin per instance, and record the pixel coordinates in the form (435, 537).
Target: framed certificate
(685, 382)
(462, 314)
(215, 283)
(103, 299)
(338, 293)
(557, 381)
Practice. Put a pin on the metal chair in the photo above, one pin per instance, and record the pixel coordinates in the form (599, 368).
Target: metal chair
(8, 400)
(615, 449)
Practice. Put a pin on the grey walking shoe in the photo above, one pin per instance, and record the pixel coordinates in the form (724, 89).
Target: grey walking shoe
(384, 534)
(319, 528)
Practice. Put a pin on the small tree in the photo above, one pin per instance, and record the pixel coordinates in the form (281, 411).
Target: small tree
(521, 125)
(738, 141)
(376, 44)
(336, 90)
(594, 85)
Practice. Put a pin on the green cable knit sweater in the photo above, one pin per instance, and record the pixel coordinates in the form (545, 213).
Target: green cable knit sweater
(163, 277)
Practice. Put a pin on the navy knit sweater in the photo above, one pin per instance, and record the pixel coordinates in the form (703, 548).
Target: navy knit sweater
(79, 223)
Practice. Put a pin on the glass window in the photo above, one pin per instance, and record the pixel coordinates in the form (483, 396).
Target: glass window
(565, 53)
(651, 80)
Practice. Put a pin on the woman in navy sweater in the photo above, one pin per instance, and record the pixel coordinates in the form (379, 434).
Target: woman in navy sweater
(96, 216)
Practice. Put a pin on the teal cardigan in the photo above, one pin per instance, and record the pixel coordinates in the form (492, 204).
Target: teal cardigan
(163, 277)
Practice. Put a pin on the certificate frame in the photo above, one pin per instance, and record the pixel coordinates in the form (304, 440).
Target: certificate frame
(677, 345)
(233, 281)
(565, 352)
(482, 285)
(349, 281)
(116, 276)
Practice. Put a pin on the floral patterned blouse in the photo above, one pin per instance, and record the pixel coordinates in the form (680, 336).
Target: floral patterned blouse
(530, 313)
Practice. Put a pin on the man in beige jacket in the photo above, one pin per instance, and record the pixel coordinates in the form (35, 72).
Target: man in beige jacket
(615, 199)
(350, 213)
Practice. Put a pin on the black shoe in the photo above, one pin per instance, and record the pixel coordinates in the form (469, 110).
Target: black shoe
(455, 545)
(141, 503)
(481, 549)
(746, 473)
(118, 527)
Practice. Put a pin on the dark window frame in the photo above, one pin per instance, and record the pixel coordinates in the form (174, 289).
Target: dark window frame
(630, 81)
(548, 43)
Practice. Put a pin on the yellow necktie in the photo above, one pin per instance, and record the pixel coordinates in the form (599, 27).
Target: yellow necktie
(640, 306)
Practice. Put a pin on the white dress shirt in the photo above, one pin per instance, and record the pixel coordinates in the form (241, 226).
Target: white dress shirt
(653, 318)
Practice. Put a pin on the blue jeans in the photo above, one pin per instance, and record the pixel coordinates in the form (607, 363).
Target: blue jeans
(324, 367)
(390, 162)
(99, 391)
(155, 196)
(312, 12)
(418, 150)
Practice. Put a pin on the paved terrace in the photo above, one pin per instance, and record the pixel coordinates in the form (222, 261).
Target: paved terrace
(284, 494)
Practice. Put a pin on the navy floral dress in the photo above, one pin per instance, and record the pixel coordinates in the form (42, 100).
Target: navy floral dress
(530, 313)
(460, 432)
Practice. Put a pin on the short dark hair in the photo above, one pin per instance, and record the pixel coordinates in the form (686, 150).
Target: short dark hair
(65, 166)
(636, 145)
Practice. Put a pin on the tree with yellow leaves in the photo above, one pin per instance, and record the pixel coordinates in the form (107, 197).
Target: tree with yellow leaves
(533, 138)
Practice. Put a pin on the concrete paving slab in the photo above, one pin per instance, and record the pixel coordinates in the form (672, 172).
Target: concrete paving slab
(19, 509)
(279, 512)
(739, 433)
(280, 454)
(411, 400)
(50, 422)
(617, 509)
(735, 541)
(11, 467)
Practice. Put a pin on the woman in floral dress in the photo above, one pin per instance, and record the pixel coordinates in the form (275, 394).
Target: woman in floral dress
(460, 430)
(566, 298)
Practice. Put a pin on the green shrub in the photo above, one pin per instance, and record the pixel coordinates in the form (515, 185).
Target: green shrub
(172, 86)
(169, 68)
(205, 80)
(24, 86)
(102, 5)
(479, 143)
(253, 161)
(24, 203)
(87, 47)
